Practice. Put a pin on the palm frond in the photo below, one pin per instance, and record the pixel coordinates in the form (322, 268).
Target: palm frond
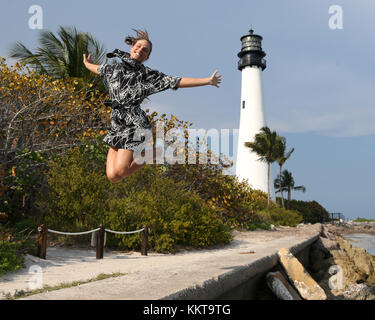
(289, 153)
(60, 55)
(301, 188)
(21, 52)
(50, 43)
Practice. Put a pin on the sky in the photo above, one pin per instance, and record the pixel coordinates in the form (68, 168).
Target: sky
(318, 86)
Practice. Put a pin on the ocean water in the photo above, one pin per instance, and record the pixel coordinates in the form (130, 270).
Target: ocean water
(362, 240)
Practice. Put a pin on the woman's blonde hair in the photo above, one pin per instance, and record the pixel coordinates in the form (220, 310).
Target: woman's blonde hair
(141, 35)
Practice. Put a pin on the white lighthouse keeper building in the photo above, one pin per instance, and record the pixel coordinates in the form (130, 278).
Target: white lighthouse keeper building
(252, 119)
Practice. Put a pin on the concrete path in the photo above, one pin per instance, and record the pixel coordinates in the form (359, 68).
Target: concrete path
(195, 274)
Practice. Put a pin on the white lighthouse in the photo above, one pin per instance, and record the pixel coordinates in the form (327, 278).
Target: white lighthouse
(252, 118)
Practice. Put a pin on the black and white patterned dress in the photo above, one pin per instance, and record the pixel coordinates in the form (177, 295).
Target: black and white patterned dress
(129, 83)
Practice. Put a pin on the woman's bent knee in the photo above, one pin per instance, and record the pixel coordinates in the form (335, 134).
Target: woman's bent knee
(117, 176)
(114, 178)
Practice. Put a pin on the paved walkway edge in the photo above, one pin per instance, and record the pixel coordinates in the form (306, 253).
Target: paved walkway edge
(214, 288)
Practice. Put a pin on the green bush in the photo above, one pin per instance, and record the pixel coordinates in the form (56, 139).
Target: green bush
(174, 215)
(24, 182)
(27, 225)
(14, 244)
(235, 200)
(311, 211)
(363, 220)
(11, 257)
(261, 225)
(78, 193)
(278, 216)
(81, 197)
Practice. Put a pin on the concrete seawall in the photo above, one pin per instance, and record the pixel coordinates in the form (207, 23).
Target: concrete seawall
(244, 281)
(234, 271)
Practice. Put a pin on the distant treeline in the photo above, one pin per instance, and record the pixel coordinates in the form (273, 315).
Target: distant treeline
(311, 211)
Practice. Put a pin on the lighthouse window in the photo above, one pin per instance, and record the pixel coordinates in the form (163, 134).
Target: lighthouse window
(243, 104)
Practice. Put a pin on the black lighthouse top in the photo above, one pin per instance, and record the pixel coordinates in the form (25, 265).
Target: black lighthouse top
(251, 53)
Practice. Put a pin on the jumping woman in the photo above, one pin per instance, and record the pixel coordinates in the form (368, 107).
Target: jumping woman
(129, 83)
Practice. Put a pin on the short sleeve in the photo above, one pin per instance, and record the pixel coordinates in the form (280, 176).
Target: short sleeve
(158, 81)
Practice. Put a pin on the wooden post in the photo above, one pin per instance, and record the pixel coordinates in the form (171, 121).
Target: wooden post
(144, 241)
(100, 242)
(42, 241)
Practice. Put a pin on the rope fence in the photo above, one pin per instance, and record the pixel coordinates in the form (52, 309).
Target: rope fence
(73, 234)
(98, 239)
(125, 232)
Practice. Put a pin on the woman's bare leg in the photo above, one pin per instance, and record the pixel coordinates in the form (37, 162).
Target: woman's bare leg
(110, 165)
(120, 164)
(125, 164)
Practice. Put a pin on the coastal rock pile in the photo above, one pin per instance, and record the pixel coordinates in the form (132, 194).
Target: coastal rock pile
(337, 270)
(351, 227)
(301, 279)
(281, 287)
(359, 292)
(355, 268)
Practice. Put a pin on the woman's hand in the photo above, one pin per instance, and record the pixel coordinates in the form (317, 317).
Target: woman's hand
(88, 62)
(215, 80)
(88, 59)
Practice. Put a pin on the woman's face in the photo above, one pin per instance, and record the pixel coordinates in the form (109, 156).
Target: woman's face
(140, 51)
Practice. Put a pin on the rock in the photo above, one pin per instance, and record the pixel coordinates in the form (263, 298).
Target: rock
(327, 234)
(321, 266)
(330, 244)
(359, 292)
(360, 261)
(321, 249)
(316, 254)
(273, 228)
(317, 249)
(281, 287)
(307, 287)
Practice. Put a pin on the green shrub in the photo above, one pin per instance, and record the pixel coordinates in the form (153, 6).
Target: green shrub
(27, 225)
(174, 215)
(363, 220)
(279, 216)
(23, 184)
(11, 257)
(311, 211)
(261, 225)
(77, 196)
(81, 197)
(14, 244)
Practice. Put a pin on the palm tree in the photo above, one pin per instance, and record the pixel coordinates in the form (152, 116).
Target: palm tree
(281, 159)
(287, 184)
(265, 145)
(61, 56)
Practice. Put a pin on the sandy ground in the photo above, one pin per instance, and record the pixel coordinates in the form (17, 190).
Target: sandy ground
(68, 265)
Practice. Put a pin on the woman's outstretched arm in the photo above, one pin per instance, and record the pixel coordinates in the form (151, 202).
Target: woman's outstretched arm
(214, 80)
(92, 67)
